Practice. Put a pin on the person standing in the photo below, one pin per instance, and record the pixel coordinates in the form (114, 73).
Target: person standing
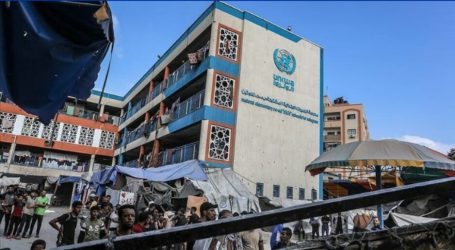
(299, 230)
(68, 223)
(339, 227)
(252, 239)
(16, 216)
(40, 207)
(113, 220)
(208, 213)
(93, 228)
(38, 245)
(29, 210)
(314, 227)
(142, 224)
(126, 217)
(325, 225)
(285, 239)
(7, 205)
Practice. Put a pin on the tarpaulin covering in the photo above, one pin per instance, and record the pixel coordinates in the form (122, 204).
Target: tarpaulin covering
(28, 178)
(51, 50)
(407, 219)
(226, 189)
(65, 179)
(381, 153)
(188, 169)
(6, 181)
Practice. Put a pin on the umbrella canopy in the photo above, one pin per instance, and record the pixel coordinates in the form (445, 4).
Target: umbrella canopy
(381, 153)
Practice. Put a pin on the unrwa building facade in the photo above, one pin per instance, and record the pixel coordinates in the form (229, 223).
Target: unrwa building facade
(233, 91)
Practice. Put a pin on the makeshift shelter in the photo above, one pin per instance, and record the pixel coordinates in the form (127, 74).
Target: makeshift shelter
(189, 169)
(7, 181)
(377, 154)
(226, 189)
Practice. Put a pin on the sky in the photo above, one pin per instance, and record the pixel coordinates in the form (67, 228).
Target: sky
(395, 58)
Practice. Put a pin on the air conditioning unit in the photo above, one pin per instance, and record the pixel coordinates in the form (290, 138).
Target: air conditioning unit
(351, 136)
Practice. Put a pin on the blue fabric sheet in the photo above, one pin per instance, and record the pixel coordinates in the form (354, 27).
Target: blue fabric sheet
(66, 179)
(49, 51)
(189, 169)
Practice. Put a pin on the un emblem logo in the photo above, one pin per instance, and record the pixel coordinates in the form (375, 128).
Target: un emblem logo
(284, 61)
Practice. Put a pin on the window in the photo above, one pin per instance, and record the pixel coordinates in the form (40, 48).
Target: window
(289, 193)
(276, 191)
(301, 194)
(351, 116)
(259, 189)
(314, 194)
(352, 133)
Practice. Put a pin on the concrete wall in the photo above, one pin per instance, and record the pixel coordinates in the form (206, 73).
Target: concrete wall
(272, 146)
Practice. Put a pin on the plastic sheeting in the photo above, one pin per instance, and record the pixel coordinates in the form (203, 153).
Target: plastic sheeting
(6, 181)
(51, 50)
(407, 219)
(66, 179)
(228, 191)
(188, 169)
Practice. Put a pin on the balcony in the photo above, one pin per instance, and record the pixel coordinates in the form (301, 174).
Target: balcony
(131, 164)
(189, 105)
(36, 161)
(159, 88)
(334, 138)
(91, 115)
(180, 154)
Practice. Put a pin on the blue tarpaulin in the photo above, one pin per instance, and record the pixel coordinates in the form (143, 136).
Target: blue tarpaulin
(189, 169)
(51, 50)
(66, 179)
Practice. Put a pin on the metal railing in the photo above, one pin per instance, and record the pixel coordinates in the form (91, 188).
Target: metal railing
(189, 105)
(179, 154)
(274, 217)
(159, 88)
(92, 115)
(131, 164)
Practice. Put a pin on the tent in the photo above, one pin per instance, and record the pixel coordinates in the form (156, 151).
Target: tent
(227, 190)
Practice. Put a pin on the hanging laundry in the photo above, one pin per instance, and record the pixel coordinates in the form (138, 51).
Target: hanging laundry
(192, 57)
(7, 123)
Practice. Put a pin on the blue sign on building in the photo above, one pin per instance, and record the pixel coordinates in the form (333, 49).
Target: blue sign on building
(284, 61)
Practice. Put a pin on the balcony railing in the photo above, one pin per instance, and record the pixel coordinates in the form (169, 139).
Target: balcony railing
(183, 108)
(180, 154)
(35, 161)
(159, 88)
(332, 138)
(189, 105)
(131, 164)
(93, 115)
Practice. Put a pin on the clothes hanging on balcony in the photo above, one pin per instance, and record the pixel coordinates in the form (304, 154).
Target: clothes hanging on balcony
(166, 118)
(193, 58)
(7, 123)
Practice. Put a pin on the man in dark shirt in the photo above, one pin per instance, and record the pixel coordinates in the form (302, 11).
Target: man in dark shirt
(285, 239)
(68, 223)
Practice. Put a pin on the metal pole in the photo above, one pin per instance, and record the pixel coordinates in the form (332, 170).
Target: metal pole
(268, 218)
(72, 194)
(378, 187)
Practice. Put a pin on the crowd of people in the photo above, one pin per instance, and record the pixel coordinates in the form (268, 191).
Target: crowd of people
(21, 211)
(99, 219)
